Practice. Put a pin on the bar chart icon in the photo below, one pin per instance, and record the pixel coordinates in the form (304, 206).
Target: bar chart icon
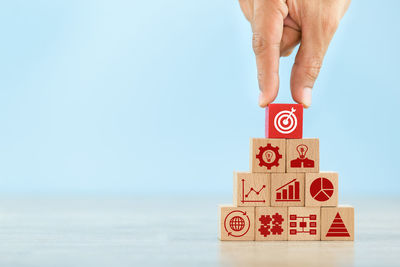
(289, 191)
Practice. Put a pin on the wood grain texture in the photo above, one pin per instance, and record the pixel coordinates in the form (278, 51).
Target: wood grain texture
(284, 183)
(236, 223)
(261, 234)
(337, 223)
(315, 180)
(310, 217)
(300, 153)
(258, 143)
(251, 189)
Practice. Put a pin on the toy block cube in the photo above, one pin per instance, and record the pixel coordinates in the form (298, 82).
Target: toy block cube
(287, 189)
(284, 121)
(302, 155)
(271, 223)
(267, 155)
(251, 189)
(321, 189)
(304, 223)
(236, 223)
(337, 223)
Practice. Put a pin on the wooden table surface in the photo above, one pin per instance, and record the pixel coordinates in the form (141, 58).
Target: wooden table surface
(165, 231)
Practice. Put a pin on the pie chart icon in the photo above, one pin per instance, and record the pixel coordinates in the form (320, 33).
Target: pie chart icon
(321, 189)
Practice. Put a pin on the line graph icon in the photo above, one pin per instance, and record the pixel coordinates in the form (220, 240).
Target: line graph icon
(252, 195)
(289, 192)
(322, 189)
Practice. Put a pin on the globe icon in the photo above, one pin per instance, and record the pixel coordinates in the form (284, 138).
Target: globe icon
(236, 223)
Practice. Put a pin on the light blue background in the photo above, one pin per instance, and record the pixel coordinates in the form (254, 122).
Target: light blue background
(143, 97)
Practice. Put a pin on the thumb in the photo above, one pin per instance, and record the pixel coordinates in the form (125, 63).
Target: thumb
(314, 44)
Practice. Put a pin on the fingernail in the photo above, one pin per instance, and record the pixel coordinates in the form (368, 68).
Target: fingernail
(307, 97)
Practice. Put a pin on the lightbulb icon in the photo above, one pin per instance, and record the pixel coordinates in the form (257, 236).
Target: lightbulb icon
(302, 150)
(269, 154)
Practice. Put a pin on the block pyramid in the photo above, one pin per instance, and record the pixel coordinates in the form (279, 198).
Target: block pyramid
(285, 196)
(338, 228)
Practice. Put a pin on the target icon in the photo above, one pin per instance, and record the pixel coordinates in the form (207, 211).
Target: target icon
(285, 121)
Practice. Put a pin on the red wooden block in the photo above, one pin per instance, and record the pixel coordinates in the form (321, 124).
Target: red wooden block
(284, 121)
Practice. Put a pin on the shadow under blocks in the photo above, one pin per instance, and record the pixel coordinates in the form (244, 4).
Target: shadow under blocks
(285, 196)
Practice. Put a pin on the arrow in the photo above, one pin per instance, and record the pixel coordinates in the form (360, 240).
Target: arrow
(285, 121)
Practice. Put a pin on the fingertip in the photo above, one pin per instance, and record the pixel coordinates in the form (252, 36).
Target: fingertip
(262, 101)
(307, 97)
(265, 99)
(268, 89)
(303, 96)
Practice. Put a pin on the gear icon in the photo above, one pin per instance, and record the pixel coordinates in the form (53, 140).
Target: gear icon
(271, 149)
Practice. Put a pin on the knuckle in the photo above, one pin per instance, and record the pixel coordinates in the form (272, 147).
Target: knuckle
(312, 72)
(258, 43)
(312, 68)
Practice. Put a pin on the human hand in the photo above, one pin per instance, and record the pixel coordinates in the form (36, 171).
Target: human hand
(278, 27)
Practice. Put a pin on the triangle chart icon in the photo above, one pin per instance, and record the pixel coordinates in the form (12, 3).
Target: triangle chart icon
(338, 229)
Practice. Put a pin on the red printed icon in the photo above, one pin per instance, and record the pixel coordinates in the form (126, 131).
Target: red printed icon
(337, 229)
(289, 191)
(284, 121)
(268, 156)
(247, 198)
(302, 161)
(237, 223)
(321, 189)
(303, 224)
(271, 224)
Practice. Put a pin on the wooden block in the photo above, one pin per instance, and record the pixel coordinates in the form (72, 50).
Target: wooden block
(284, 121)
(337, 223)
(321, 189)
(236, 223)
(251, 189)
(267, 155)
(287, 189)
(304, 223)
(271, 223)
(302, 155)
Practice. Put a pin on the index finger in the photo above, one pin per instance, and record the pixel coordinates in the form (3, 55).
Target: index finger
(267, 26)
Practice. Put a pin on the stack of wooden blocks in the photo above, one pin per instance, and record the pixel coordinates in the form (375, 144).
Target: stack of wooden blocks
(285, 196)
